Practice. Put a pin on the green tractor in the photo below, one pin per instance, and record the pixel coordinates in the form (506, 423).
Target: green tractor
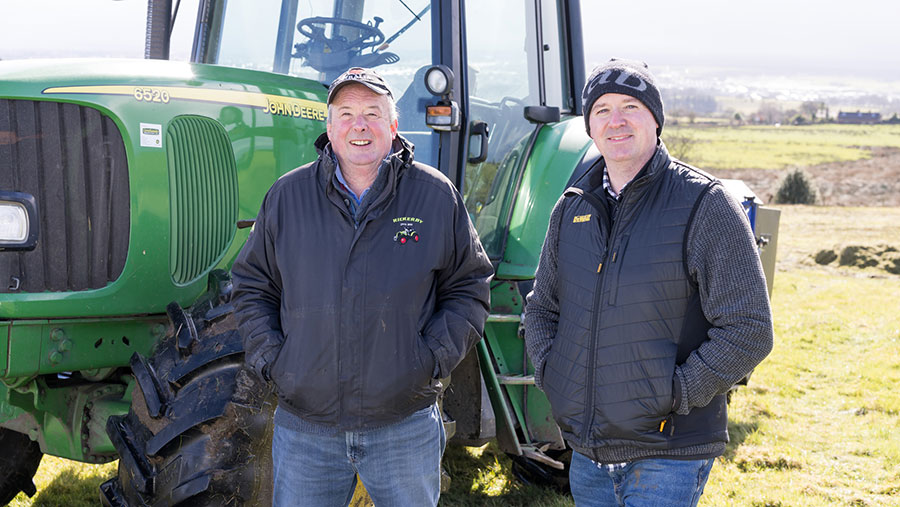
(127, 188)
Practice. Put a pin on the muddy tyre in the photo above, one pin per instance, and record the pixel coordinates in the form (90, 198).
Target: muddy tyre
(19, 460)
(199, 430)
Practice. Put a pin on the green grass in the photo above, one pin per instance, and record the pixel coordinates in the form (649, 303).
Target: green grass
(64, 483)
(818, 425)
(770, 147)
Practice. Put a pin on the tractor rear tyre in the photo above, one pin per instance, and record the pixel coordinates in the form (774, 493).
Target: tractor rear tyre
(19, 460)
(199, 431)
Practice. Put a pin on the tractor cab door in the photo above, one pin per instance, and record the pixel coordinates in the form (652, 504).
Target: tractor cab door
(519, 76)
(523, 71)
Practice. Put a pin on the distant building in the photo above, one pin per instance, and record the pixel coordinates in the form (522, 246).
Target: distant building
(858, 117)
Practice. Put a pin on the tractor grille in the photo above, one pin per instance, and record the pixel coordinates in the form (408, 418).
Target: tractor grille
(72, 160)
(204, 195)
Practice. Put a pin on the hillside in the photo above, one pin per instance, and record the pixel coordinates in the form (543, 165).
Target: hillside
(851, 165)
(869, 182)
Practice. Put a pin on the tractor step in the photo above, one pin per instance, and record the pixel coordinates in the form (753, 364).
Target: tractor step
(538, 454)
(516, 380)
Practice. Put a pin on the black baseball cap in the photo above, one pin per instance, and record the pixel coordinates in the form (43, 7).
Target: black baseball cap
(363, 76)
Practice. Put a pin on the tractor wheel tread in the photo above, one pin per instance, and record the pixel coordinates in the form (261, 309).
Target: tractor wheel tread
(211, 444)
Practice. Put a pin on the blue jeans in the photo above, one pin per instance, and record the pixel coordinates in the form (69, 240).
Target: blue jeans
(642, 483)
(398, 464)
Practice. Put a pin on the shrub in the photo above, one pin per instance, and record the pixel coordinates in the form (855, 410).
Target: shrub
(681, 144)
(797, 187)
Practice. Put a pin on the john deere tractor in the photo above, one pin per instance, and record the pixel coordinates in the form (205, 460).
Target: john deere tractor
(127, 188)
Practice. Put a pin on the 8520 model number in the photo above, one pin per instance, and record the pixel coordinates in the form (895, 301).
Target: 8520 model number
(151, 95)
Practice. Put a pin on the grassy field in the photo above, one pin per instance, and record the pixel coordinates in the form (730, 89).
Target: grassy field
(819, 424)
(770, 147)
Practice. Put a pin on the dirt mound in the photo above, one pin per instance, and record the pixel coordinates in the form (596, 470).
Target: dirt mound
(884, 257)
(871, 182)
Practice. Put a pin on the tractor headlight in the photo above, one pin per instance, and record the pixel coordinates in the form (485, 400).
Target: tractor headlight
(18, 221)
(443, 116)
(438, 80)
(13, 222)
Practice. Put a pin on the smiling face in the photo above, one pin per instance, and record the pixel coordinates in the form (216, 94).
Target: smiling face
(624, 130)
(360, 128)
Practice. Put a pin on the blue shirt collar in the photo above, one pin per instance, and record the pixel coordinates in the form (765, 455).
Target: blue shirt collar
(340, 177)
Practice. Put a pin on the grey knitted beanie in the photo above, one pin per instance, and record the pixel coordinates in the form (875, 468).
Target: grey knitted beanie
(628, 77)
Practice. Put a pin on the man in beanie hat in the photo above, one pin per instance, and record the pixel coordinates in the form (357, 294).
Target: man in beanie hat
(649, 304)
(362, 283)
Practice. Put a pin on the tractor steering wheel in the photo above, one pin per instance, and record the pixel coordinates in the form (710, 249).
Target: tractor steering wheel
(369, 36)
(335, 54)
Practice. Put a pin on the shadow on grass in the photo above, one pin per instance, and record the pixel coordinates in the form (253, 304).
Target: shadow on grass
(487, 480)
(737, 433)
(69, 489)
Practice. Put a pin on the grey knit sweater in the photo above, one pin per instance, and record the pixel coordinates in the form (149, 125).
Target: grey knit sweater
(734, 299)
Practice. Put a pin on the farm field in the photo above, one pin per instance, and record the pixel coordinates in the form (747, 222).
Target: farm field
(817, 426)
(818, 423)
(852, 165)
(779, 147)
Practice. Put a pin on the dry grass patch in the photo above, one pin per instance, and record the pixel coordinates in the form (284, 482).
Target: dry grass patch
(864, 233)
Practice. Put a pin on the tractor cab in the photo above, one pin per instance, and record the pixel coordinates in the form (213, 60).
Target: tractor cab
(471, 79)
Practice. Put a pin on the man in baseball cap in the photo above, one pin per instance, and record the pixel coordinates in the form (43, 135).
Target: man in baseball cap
(649, 304)
(349, 306)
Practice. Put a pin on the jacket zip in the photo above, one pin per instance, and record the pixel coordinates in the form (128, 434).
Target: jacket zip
(595, 319)
(614, 223)
(359, 224)
(612, 246)
(616, 264)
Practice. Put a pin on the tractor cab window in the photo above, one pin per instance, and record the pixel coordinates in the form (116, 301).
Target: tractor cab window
(512, 64)
(320, 39)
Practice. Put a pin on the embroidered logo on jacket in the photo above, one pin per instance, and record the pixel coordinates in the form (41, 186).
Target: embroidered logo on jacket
(581, 218)
(407, 230)
(405, 235)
